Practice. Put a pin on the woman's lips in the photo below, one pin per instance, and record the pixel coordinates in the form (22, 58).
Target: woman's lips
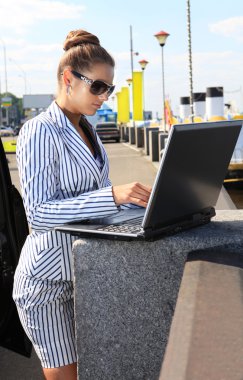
(97, 105)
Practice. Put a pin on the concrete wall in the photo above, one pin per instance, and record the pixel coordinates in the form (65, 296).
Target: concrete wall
(125, 296)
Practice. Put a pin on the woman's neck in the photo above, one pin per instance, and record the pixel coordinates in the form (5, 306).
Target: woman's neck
(74, 118)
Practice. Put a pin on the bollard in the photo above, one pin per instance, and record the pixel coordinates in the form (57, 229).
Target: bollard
(131, 131)
(199, 103)
(146, 138)
(185, 109)
(126, 136)
(214, 102)
(139, 137)
(122, 132)
(161, 139)
(154, 145)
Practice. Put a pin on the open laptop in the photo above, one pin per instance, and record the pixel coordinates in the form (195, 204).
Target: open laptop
(185, 191)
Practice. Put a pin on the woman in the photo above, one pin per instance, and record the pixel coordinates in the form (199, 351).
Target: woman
(64, 171)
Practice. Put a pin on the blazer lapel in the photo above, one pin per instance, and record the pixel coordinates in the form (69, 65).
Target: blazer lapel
(74, 143)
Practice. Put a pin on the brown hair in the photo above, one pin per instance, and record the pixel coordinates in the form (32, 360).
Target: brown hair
(82, 51)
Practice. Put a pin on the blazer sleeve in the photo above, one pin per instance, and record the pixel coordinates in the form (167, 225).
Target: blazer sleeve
(36, 157)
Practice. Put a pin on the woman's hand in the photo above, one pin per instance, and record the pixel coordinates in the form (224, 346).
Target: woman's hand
(132, 193)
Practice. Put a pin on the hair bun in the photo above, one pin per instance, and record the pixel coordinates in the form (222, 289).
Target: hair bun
(79, 37)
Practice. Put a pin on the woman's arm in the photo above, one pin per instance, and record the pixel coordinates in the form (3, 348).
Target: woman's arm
(37, 156)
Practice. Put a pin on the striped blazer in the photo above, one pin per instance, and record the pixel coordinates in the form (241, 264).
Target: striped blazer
(61, 181)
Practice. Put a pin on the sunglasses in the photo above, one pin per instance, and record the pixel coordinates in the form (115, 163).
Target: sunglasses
(97, 87)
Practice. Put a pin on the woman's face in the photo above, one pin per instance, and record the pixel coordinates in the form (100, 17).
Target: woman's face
(80, 99)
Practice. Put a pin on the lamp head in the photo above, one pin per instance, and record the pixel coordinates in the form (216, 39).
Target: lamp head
(162, 37)
(143, 63)
(129, 81)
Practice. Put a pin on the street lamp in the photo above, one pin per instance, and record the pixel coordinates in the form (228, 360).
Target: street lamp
(129, 82)
(132, 53)
(143, 63)
(23, 72)
(5, 65)
(161, 37)
(6, 78)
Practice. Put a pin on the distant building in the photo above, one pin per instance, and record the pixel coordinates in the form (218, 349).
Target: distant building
(34, 104)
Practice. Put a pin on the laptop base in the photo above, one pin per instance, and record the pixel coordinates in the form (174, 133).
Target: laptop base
(190, 222)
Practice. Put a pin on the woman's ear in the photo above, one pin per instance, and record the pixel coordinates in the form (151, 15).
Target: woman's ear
(67, 77)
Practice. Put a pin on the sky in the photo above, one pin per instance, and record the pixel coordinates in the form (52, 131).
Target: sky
(33, 32)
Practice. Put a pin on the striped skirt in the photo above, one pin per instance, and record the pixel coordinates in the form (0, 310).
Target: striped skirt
(46, 312)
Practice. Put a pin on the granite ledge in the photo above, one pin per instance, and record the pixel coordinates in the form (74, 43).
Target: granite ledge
(125, 296)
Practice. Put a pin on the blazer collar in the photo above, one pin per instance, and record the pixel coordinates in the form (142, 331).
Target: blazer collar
(76, 146)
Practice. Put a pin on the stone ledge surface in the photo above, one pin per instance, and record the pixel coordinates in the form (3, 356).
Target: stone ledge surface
(205, 340)
(125, 295)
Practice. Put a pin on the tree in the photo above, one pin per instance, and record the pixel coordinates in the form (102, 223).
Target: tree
(15, 111)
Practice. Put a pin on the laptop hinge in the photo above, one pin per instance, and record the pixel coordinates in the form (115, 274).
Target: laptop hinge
(201, 217)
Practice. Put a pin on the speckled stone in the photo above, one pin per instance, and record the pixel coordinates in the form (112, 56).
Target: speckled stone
(125, 296)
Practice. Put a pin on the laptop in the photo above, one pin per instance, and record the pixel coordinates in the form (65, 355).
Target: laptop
(185, 190)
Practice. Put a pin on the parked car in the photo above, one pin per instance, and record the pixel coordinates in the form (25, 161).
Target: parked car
(108, 131)
(6, 131)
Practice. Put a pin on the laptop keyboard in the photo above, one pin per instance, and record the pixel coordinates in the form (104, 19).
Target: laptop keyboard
(132, 226)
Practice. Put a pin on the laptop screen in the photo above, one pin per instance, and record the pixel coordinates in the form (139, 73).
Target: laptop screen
(192, 171)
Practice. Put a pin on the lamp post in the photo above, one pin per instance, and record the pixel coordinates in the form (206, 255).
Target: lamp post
(6, 77)
(23, 72)
(129, 82)
(190, 58)
(132, 53)
(5, 65)
(143, 63)
(161, 37)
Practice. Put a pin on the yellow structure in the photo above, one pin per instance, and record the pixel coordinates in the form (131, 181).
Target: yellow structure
(216, 118)
(9, 146)
(123, 106)
(198, 119)
(237, 117)
(137, 88)
(187, 121)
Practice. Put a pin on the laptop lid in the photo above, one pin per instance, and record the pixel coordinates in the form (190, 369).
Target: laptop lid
(192, 171)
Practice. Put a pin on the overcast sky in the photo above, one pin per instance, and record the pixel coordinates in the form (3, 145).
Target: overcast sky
(33, 32)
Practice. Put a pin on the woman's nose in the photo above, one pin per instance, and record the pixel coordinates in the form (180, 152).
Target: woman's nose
(104, 96)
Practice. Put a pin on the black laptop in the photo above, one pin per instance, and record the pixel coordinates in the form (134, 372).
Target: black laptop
(185, 191)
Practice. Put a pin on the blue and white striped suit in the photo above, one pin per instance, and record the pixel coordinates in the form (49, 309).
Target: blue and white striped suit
(61, 181)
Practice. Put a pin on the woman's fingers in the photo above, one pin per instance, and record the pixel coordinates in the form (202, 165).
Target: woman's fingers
(141, 191)
(138, 202)
(135, 192)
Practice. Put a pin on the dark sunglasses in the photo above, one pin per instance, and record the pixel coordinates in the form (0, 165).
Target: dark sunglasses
(97, 87)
